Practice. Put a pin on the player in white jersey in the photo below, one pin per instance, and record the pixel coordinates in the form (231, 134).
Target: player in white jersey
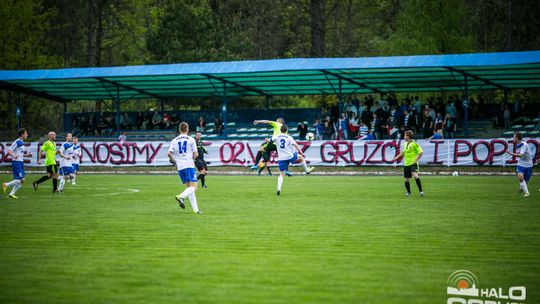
(17, 151)
(183, 152)
(524, 166)
(77, 153)
(286, 147)
(66, 159)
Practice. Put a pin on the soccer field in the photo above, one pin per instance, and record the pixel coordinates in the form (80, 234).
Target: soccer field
(123, 239)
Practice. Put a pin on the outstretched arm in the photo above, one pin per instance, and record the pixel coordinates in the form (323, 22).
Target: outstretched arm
(263, 121)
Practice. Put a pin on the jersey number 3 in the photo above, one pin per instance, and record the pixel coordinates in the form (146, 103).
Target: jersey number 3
(282, 144)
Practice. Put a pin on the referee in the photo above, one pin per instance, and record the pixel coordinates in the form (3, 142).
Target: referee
(413, 152)
(49, 147)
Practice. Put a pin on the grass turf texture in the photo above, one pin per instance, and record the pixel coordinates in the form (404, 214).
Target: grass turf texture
(324, 240)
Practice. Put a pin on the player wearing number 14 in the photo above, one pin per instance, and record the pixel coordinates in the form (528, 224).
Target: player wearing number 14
(183, 152)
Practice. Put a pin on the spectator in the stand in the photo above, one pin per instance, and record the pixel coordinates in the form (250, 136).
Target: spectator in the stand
(350, 107)
(319, 130)
(451, 109)
(92, 125)
(417, 104)
(218, 126)
(166, 121)
(156, 120)
(377, 126)
(437, 135)
(122, 138)
(370, 135)
(361, 109)
(328, 131)
(506, 116)
(201, 125)
(84, 126)
(109, 126)
(175, 121)
(75, 128)
(353, 126)
(126, 122)
(450, 126)
(363, 129)
(438, 123)
(408, 123)
(139, 121)
(427, 124)
(302, 130)
(343, 126)
(146, 124)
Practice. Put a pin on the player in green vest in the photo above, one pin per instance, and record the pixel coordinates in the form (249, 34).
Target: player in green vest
(49, 147)
(412, 152)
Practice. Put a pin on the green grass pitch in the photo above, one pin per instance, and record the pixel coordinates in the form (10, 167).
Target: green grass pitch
(123, 239)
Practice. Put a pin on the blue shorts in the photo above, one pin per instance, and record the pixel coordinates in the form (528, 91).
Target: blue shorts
(18, 169)
(66, 170)
(527, 172)
(76, 167)
(187, 175)
(284, 164)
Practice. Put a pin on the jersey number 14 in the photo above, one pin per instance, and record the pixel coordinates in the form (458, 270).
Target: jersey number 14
(182, 146)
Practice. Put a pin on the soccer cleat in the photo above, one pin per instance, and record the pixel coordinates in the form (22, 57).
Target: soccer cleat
(407, 194)
(526, 194)
(278, 192)
(253, 167)
(12, 196)
(198, 212)
(73, 183)
(520, 190)
(421, 194)
(309, 170)
(35, 185)
(204, 186)
(180, 201)
(288, 173)
(4, 187)
(60, 191)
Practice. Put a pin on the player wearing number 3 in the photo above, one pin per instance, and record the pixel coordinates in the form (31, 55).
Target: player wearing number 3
(287, 155)
(183, 152)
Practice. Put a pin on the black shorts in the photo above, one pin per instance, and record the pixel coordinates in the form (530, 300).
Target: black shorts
(200, 164)
(270, 147)
(408, 170)
(52, 169)
(266, 156)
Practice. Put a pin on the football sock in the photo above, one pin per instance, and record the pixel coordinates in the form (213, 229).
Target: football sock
(279, 182)
(304, 165)
(419, 184)
(523, 186)
(269, 172)
(258, 158)
(202, 179)
(199, 176)
(73, 178)
(408, 187)
(187, 192)
(15, 188)
(55, 184)
(13, 182)
(193, 202)
(42, 179)
(62, 182)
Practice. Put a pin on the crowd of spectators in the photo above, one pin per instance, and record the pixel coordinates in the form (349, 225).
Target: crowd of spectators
(389, 118)
(105, 124)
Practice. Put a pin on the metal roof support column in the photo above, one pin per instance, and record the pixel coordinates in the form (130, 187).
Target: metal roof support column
(267, 99)
(117, 108)
(466, 105)
(506, 96)
(339, 108)
(18, 110)
(224, 109)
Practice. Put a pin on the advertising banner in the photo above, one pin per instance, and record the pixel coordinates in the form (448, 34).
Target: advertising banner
(444, 152)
